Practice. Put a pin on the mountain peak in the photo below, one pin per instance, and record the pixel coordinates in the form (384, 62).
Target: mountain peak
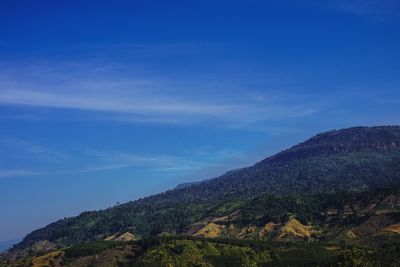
(360, 133)
(355, 139)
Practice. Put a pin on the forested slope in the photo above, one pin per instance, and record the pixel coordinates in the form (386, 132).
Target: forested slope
(351, 159)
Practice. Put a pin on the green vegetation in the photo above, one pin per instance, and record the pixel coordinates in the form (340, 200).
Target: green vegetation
(201, 253)
(310, 208)
(355, 158)
(182, 251)
(90, 248)
(322, 190)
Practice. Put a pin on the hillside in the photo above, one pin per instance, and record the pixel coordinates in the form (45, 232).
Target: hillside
(351, 159)
(183, 251)
(361, 218)
(270, 230)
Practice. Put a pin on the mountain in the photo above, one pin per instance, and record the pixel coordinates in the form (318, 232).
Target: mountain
(358, 158)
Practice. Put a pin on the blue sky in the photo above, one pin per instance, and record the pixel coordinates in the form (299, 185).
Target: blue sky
(108, 101)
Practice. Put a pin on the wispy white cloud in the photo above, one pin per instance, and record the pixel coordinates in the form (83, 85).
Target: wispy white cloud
(16, 173)
(162, 162)
(39, 151)
(112, 160)
(23, 116)
(114, 103)
(145, 99)
(155, 108)
(22, 172)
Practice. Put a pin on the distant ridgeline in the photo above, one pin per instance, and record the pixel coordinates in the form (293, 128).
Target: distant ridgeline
(339, 187)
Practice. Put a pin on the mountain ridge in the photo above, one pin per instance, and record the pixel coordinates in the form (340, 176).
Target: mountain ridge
(353, 158)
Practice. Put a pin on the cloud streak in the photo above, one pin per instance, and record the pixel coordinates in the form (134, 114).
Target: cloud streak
(39, 151)
(17, 173)
(164, 162)
(152, 108)
(106, 160)
(20, 172)
(109, 103)
(142, 100)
